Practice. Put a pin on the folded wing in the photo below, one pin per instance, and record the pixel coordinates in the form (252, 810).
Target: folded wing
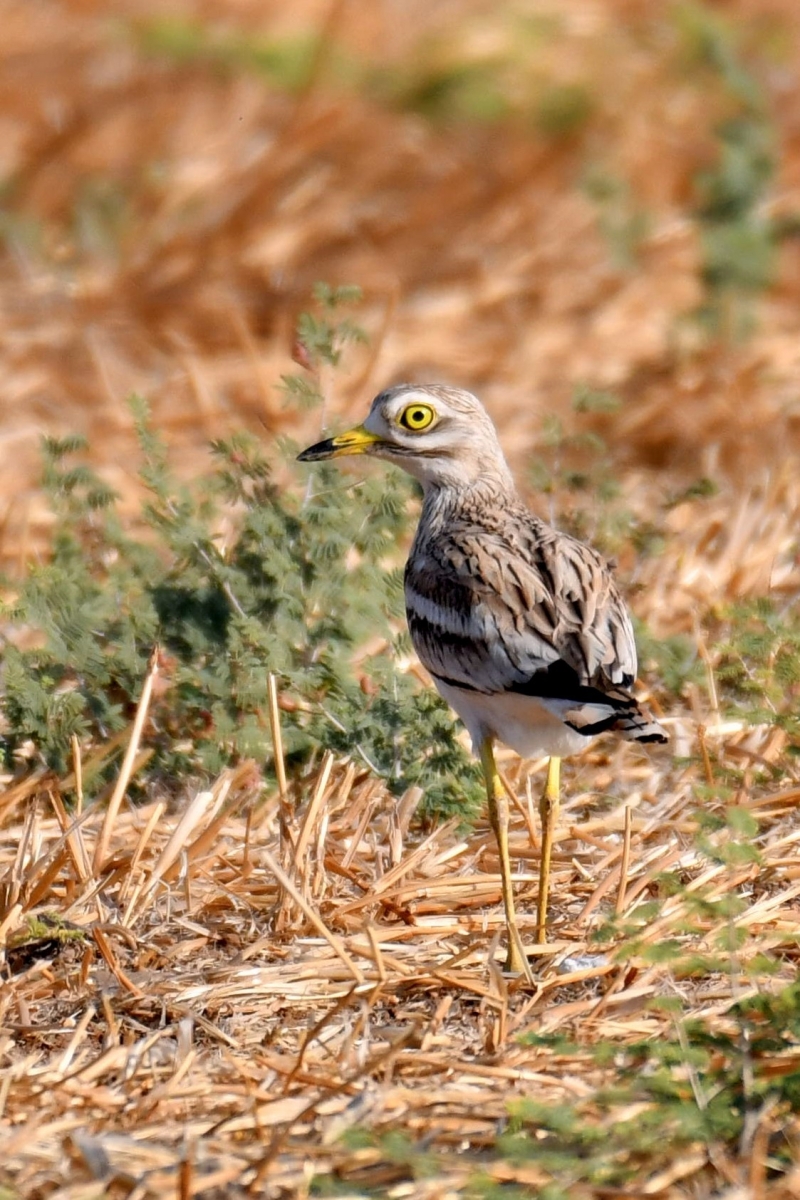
(531, 611)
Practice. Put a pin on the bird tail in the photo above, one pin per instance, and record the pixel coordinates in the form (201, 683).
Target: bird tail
(617, 711)
(638, 725)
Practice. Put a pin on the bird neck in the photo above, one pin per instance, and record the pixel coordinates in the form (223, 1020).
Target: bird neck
(478, 470)
(482, 490)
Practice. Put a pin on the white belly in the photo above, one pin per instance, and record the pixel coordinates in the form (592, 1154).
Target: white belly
(531, 727)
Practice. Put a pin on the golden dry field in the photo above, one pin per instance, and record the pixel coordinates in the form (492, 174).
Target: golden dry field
(285, 981)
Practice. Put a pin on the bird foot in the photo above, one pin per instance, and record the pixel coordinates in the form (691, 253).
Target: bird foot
(517, 960)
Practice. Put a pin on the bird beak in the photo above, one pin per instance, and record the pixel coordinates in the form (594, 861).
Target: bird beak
(355, 441)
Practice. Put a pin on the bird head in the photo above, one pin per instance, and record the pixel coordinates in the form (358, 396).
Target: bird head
(443, 436)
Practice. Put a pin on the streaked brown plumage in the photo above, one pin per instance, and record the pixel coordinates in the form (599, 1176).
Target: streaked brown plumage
(521, 627)
(499, 602)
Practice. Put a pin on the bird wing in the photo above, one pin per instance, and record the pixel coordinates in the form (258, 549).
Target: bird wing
(520, 609)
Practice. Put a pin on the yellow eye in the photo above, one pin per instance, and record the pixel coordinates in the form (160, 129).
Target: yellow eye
(416, 417)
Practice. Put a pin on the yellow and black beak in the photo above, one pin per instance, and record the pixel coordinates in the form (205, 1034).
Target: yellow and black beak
(355, 441)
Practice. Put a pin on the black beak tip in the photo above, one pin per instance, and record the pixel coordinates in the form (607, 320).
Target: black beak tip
(313, 453)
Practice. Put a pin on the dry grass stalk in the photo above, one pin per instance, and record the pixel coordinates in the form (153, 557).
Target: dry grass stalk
(333, 941)
(625, 863)
(126, 770)
(77, 767)
(73, 834)
(311, 820)
(347, 1013)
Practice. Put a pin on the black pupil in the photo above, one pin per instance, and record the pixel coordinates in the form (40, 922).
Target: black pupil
(416, 416)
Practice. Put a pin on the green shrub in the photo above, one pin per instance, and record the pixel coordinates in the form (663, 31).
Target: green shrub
(738, 242)
(311, 573)
(758, 649)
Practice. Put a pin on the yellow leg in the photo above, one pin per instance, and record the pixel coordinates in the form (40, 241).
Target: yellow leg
(498, 819)
(548, 810)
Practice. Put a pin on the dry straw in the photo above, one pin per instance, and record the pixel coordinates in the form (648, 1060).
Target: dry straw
(174, 1000)
(227, 989)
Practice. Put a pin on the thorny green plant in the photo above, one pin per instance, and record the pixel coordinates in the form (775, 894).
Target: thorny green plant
(310, 573)
(577, 463)
(622, 222)
(702, 1084)
(739, 240)
(286, 62)
(442, 80)
(758, 650)
(576, 481)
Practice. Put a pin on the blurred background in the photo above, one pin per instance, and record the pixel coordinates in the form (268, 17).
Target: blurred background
(588, 211)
